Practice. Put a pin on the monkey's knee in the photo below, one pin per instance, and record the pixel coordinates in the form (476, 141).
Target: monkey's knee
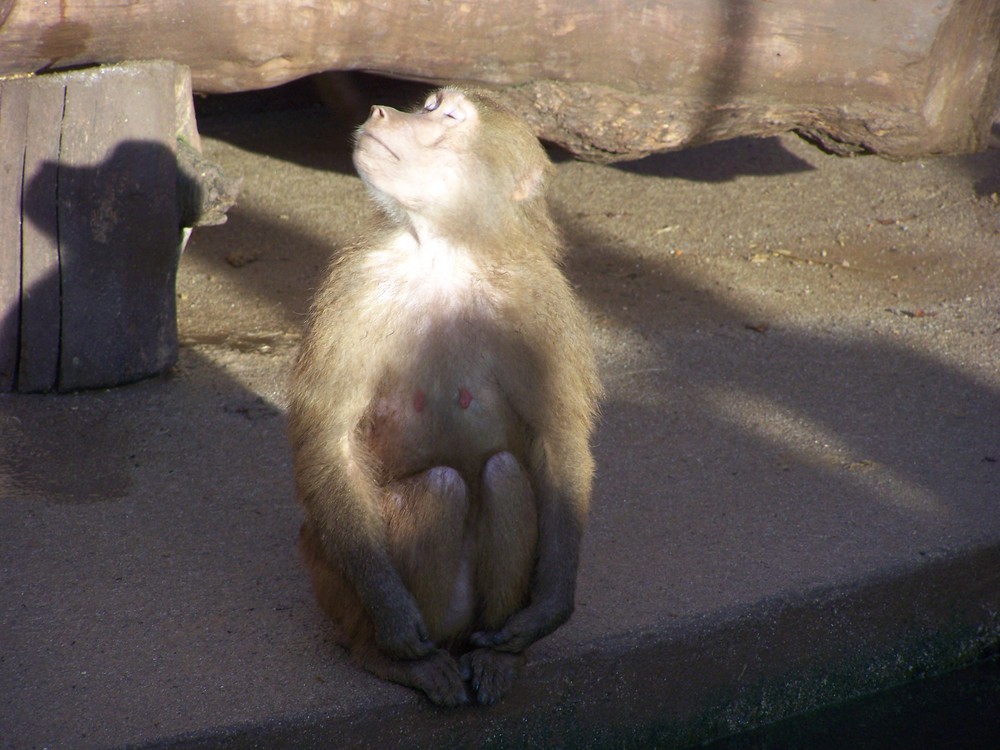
(503, 474)
(429, 499)
(446, 484)
(426, 535)
(507, 493)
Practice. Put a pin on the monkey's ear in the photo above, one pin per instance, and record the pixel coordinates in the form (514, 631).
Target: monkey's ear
(530, 183)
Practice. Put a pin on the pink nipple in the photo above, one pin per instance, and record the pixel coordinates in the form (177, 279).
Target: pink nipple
(464, 398)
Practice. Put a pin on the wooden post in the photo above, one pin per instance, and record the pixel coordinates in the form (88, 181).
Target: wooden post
(13, 134)
(90, 230)
(38, 350)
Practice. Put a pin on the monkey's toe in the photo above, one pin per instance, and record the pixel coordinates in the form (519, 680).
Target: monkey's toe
(491, 673)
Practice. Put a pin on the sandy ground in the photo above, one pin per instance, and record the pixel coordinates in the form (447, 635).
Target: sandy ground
(802, 362)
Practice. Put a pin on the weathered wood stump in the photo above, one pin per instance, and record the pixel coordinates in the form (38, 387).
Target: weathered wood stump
(610, 80)
(90, 225)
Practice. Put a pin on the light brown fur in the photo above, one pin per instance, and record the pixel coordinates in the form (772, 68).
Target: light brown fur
(442, 405)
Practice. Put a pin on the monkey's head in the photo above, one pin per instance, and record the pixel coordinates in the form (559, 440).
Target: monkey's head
(460, 160)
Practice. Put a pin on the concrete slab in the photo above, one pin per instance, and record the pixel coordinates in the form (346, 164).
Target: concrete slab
(798, 496)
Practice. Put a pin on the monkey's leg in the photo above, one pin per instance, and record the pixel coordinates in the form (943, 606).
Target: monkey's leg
(562, 491)
(428, 543)
(506, 533)
(425, 527)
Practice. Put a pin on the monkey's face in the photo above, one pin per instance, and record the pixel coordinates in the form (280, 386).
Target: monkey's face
(418, 161)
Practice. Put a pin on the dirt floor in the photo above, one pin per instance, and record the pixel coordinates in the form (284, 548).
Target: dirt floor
(802, 362)
(825, 331)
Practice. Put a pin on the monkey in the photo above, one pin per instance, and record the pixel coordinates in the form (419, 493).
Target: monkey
(442, 405)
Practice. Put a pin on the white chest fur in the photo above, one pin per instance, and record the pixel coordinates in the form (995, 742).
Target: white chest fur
(430, 280)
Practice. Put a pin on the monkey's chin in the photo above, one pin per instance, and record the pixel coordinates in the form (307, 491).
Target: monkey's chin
(364, 137)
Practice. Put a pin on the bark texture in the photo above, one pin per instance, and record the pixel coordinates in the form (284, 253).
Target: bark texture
(608, 80)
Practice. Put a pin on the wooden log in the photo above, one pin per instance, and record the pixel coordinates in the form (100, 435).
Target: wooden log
(609, 80)
(38, 363)
(13, 134)
(119, 231)
(90, 225)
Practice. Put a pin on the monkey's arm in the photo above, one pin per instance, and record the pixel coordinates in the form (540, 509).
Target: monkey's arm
(562, 515)
(559, 407)
(345, 509)
(338, 492)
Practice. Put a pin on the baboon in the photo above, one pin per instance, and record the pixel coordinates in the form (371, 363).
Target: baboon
(442, 405)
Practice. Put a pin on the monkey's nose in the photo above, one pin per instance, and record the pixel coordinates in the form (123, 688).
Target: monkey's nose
(377, 112)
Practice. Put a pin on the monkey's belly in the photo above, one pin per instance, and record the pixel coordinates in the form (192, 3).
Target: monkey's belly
(459, 423)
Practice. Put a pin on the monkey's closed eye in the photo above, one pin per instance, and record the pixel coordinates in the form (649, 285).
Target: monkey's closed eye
(433, 103)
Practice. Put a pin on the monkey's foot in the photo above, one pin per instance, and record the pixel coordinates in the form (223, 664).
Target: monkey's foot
(491, 673)
(437, 675)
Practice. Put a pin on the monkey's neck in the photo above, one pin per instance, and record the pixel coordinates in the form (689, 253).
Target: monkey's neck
(474, 236)
(424, 231)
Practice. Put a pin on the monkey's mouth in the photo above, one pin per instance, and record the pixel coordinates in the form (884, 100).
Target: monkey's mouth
(366, 134)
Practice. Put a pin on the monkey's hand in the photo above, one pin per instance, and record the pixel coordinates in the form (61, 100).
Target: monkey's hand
(525, 627)
(400, 631)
